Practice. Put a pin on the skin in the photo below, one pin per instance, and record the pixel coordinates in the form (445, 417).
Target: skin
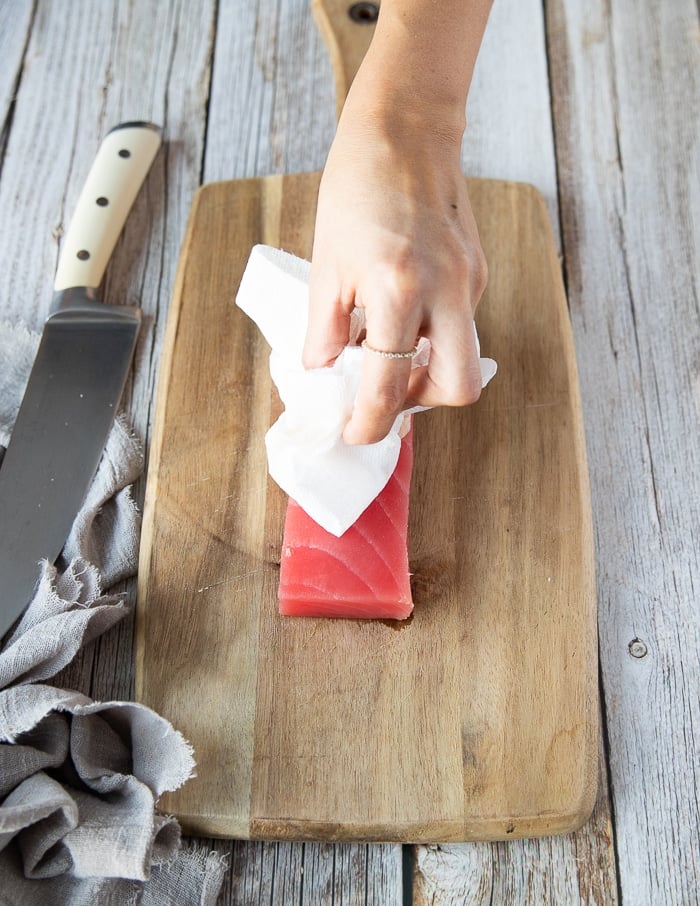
(395, 234)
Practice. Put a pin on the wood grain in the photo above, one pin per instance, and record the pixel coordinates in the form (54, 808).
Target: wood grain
(310, 874)
(314, 729)
(626, 91)
(509, 117)
(14, 32)
(569, 868)
(271, 104)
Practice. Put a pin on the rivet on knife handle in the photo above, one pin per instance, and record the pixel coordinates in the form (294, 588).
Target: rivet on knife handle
(120, 167)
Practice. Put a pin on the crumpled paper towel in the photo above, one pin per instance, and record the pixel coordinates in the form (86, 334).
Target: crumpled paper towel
(79, 779)
(332, 481)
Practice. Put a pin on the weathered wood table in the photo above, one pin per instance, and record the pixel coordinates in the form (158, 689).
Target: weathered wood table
(598, 105)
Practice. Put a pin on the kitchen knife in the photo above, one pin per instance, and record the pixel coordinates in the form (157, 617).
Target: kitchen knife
(77, 378)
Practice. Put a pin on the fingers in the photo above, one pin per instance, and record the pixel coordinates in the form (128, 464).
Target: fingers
(452, 376)
(379, 400)
(383, 382)
(328, 327)
(388, 385)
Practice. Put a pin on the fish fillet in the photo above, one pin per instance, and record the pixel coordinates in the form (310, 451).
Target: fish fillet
(361, 575)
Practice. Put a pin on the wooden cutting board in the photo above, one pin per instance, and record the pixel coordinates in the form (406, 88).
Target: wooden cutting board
(474, 720)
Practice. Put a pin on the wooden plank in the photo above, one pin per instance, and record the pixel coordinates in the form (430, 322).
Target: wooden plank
(509, 124)
(15, 21)
(271, 108)
(626, 109)
(310, 874)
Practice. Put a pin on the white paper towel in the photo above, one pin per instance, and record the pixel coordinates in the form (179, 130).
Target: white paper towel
(332, 481)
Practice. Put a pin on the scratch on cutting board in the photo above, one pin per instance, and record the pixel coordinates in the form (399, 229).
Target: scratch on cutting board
(230, 579)
(524, 406)
(544, 405)
(249, 492)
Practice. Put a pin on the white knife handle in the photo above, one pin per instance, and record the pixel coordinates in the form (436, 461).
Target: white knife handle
(122, 162)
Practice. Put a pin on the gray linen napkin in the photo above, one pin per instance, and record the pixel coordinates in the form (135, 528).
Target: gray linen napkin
(79, 780)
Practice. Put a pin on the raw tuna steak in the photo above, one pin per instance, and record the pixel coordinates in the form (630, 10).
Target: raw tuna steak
(364, 573)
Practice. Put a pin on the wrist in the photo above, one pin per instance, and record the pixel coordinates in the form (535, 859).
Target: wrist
(396, 103)
(421, 60)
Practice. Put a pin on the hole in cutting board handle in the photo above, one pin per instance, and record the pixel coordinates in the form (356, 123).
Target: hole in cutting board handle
(364, 13)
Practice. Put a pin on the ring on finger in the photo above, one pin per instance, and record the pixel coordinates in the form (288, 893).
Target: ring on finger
(385, 354)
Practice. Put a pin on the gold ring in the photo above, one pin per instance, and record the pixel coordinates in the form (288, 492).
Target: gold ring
(390, 355)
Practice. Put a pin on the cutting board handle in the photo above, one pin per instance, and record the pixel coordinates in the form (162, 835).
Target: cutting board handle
(347, 28)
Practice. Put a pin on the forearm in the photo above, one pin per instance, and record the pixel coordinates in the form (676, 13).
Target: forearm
(395, 234)
(421, 60)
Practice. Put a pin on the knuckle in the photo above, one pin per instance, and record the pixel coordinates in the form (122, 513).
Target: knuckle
(462, 268)
(403, 282)
(463, 392)
(386, 402)
(479, 273)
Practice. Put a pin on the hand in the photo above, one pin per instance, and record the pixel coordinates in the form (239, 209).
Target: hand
(395, 235)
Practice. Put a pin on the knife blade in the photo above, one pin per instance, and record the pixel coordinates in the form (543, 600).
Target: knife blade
(77, 377)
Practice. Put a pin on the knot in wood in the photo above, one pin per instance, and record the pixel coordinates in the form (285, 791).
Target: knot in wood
(637, 648)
